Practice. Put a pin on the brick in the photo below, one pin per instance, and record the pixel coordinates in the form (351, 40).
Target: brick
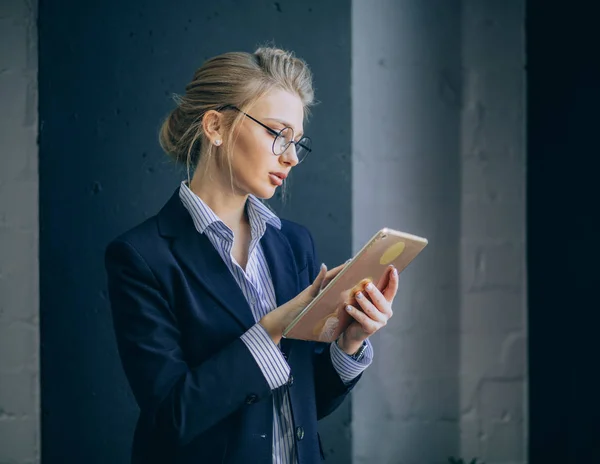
(410, 442)
(489, 133)
(504, 443)
(420, 311)
(493, 34)
(13, 57)
(13, 216)
(19, 344)
(488, 267)
(18, 441)
(497, 89)
(481, 355)
(18, 11)
(496, 220)
(501, 401)
(413, 398)
(19, 394)
(498, 176)
(469, 390)
(13, 95)
(514, 355)
(470, 439)
(416, 355)
(22, 164)
(23, 245)
(492, 312)
(19, 289)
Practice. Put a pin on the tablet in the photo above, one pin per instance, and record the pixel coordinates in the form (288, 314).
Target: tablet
(325, 318)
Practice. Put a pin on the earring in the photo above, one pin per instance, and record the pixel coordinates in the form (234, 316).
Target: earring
(218, 142)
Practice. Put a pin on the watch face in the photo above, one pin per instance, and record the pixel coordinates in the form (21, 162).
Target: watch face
(360, 353)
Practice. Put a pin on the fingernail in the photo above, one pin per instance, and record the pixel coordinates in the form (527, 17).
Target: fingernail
(359, 295)
(349, 308)
(370, 286)
(395, 271)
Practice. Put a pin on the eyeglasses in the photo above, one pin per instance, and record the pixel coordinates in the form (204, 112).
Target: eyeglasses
(283, 138)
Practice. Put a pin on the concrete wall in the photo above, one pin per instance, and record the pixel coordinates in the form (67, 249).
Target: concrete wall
(107, 70)
(19, 232)
(438, 150)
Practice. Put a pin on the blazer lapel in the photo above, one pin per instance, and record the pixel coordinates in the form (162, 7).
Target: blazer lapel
(196, 254)
(284, 272)
(282, 264)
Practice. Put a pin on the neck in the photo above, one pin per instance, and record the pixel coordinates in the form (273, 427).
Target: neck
(217, 193)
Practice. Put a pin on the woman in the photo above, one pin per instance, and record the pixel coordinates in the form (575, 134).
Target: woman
(201, 292)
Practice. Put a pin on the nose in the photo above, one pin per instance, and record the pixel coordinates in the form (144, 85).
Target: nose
(289, 157)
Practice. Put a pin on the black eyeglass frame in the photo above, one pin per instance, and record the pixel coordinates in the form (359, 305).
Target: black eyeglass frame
(276, 134)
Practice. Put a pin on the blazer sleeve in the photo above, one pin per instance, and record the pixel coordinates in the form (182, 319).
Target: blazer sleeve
(330, 390)
(182, 402)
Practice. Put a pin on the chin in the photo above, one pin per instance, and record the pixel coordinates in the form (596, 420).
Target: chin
(264, 193)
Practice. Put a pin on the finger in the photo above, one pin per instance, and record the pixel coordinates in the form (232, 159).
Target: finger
(384, 280)
(340, 267)
(367, 324)
(371, 309)
(392, 287)
(318, 282)
(331, 274)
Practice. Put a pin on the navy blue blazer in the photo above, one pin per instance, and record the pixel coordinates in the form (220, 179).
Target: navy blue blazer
(178, 315)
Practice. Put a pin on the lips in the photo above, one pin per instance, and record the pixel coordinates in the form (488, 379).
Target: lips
(281, 175)
(277, 178)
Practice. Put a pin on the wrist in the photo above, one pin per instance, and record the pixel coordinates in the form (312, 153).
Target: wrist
(274, 331)
(350, 347)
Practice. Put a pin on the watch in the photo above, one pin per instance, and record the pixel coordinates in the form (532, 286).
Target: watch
(360, 353)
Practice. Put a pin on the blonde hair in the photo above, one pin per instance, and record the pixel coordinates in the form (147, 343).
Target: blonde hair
(237, 79)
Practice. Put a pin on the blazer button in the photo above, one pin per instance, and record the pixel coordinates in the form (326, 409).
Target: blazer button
(251, 399)
(291, 380)
(299, 433)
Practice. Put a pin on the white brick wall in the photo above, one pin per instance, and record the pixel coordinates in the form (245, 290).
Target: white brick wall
(438, 138)
(493, 367)
(19, 290)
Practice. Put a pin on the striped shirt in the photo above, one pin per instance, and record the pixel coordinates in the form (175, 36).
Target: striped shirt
(257, 286)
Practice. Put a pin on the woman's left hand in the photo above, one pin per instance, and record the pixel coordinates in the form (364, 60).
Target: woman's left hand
(376, 312)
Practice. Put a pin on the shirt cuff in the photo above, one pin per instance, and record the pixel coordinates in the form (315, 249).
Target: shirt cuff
(346, 367)
(268, 356)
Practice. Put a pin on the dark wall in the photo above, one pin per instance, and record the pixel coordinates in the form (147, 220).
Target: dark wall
(563, 205)
(106, 72)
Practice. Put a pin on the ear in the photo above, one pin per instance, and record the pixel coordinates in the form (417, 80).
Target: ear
(212, 126)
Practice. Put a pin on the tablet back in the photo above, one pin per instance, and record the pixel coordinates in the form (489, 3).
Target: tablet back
(326, 318)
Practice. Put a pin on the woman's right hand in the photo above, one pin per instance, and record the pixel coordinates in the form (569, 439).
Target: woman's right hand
(277, 320)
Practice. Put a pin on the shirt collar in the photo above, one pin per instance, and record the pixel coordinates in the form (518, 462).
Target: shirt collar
(203, 216)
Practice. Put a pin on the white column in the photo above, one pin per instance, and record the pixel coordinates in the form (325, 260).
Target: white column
(406, 175)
